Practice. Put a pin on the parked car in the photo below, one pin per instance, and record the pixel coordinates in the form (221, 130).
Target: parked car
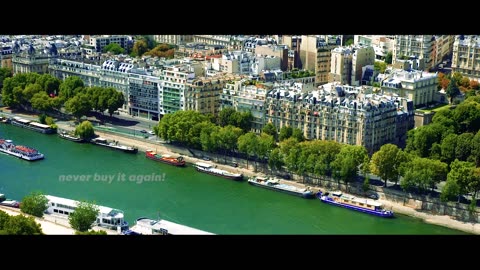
(143, 131)
(151, 132)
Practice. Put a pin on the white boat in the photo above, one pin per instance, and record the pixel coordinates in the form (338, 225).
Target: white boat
(8, 202)
(20, 151)
(351, 202)
(68, 136)
(114, 145)
(109, 218)
(147, 226)
(274, 184)
(36, 126)
(210, 169)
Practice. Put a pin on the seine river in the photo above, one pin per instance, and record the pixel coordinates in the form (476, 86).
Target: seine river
(144, 188)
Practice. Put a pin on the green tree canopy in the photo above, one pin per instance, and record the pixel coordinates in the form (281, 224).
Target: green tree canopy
(84, 216)
(79, 105)
(22, 225)
(85, 130)
(114, 48)
(34, 204)
(386, 162)
(389, 57)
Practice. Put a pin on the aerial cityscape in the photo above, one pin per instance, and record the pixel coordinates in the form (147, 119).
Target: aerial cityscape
(239, 135)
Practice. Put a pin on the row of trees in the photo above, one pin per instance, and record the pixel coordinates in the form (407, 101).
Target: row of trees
(81, 219)
(45, 93)
(18, 225)
(145, 45)
(425, 162)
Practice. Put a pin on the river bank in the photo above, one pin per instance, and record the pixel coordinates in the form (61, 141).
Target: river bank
(143, 145)
(52, 225)
(440, 220)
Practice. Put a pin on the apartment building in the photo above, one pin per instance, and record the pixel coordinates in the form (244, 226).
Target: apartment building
(346, 114)
(315, 55)
(97, 43)
(32, 59)
(6, 54)
(293, 43)
(277, 51)
(172, 87)
(432, 49)
(466, 56)
(245, 97)
(202, 94)
(347, 64)
(143, 94)
(416, 85)
(173, 39)
(382, 44)
(341, 65)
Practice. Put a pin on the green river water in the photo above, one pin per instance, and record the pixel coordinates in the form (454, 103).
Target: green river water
(182, 195)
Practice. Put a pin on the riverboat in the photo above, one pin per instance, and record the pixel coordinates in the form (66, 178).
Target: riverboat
(175, 161)
(20, 151)
(107, 217)
(210, 169)
(351, 202)
(274, 184)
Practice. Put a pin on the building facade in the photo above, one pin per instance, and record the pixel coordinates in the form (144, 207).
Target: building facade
(315, 55)
(345, 114)
(418, 86)
(173, 39)
(466, 56)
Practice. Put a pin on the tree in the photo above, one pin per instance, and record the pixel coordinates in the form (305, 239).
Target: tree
(42, 102)
(422, 173)
(115, 102)
(285, 133)
(389, 57)
(5, 73)
(114, 48)
(225, 116)
(462, 174)
(379, 66)
(248, 144)
(475, 153)
(4, 217)
(22, 225)
(34, 204)
(298, 134)
(84, 216)
(139, 48)
(78, 105)
(85, 130)
(452, 90)
(386, 162)
(270, 129)
(69, 86)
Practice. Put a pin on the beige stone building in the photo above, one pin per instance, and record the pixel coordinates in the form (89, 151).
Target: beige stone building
(315, 55)
(280, 51)
(202, 94)
(466, 56)
(347, 64)
(346, 114)
(244, 97)
(31, 60)
(432, 49)
(418, 86)
(173, 39)
(382, 44)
